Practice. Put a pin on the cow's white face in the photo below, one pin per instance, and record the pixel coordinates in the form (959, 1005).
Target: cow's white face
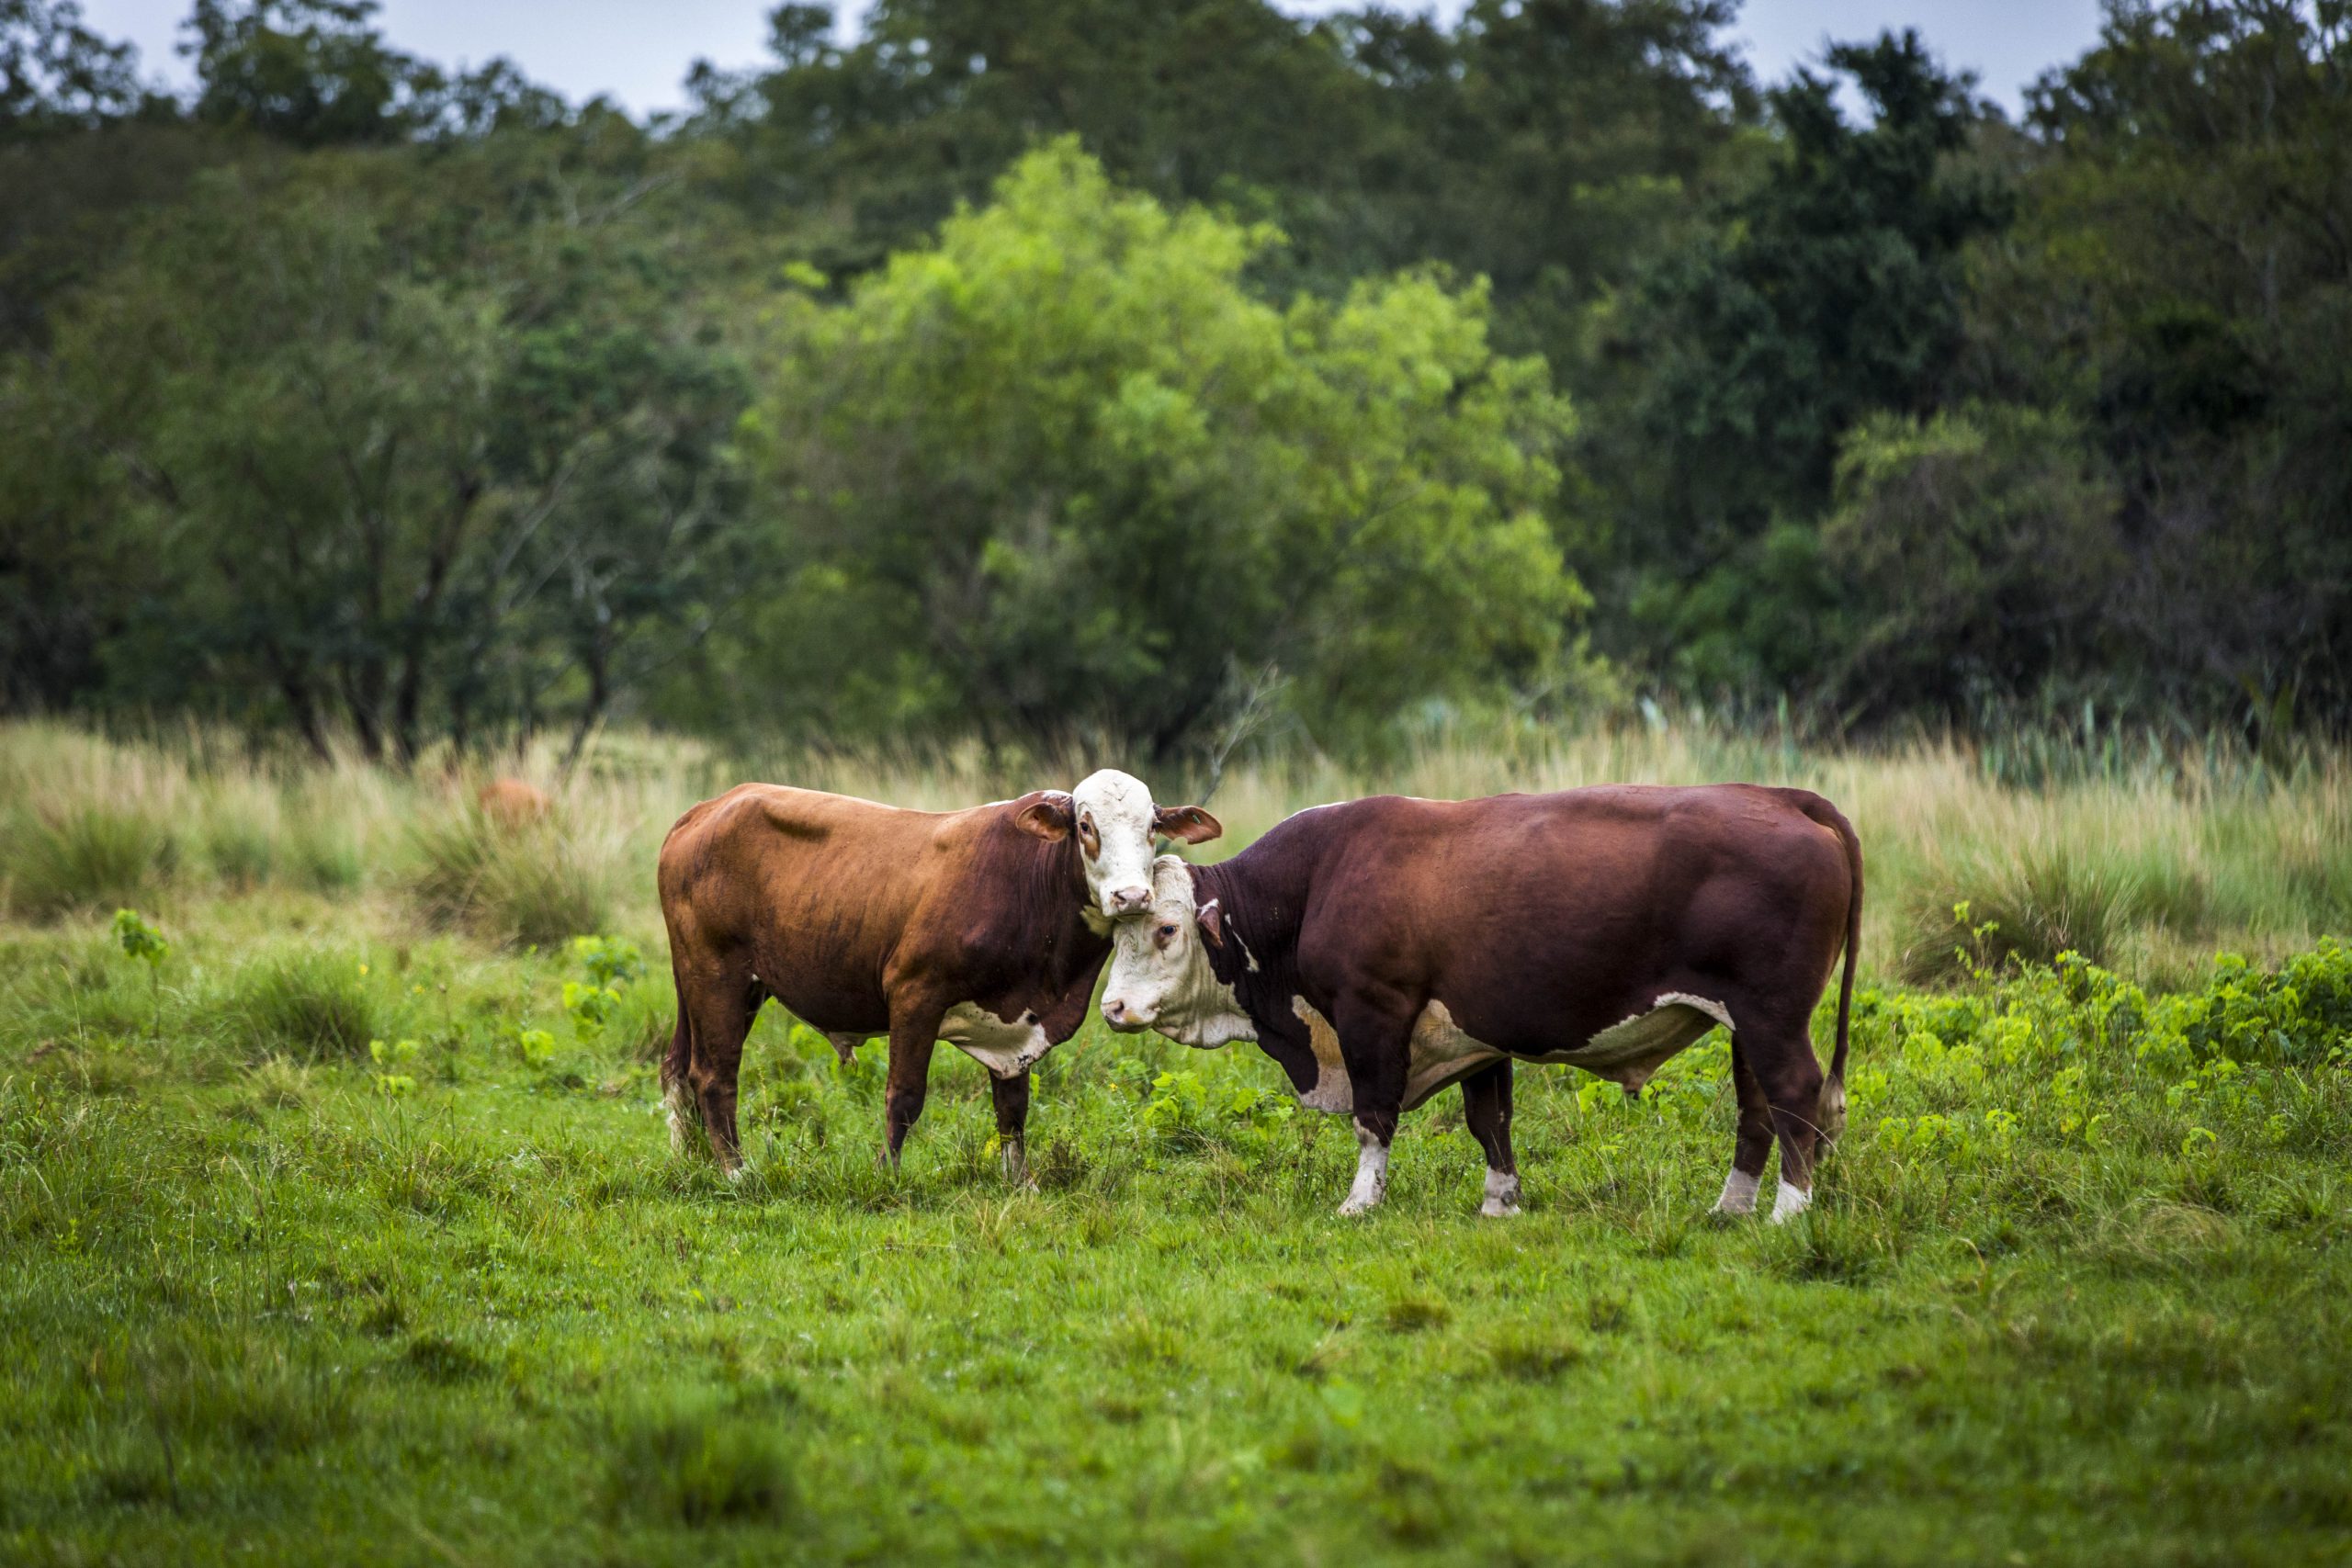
(1115, 822)
(1160, 975)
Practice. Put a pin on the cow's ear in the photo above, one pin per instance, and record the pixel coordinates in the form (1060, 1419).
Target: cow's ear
(1189, 823)
(1044, 812)
(1212, 923)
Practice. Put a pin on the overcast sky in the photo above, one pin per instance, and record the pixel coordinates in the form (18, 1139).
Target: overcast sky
(638, 51)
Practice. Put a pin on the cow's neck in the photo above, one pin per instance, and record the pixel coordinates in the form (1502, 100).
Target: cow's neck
(1047, 915)
(1261, 901)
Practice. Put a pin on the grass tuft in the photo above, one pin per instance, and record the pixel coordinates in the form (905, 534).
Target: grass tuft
(1412, 1313)
(2031, 907)
(698, 1465)
(1531, 1354)
(88, 855)
(436, 1358)
(314, 1004)
(518, 884)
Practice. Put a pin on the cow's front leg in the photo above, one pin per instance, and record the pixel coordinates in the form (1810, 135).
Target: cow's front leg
(913, 1032)
(1486, 1105)
(1011, 1097)
(1375, 1043)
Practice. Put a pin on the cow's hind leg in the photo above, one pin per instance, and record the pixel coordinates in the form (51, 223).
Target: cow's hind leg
(1752, 1143)
(721, 1010)
(1784, 1066)
(1486, 1104)
(1011, 1097)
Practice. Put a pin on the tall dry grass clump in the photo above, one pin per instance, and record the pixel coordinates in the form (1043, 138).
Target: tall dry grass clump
(513, 882)
(86, 824)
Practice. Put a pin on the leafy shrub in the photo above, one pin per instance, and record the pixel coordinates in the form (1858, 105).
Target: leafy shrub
(1184, 1114)
(315, 1003)
(87, 854)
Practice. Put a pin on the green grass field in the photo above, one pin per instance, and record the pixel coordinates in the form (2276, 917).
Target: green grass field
(2075, 1288)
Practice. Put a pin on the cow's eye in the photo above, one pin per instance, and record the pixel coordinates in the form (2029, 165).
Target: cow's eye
(1167, 933)
(1088, 837)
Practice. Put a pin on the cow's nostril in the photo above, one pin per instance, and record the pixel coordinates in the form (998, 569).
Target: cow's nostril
(1127, 900)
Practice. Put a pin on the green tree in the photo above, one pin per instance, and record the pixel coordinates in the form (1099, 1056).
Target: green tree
(1976, 548)
(1835, 289)
(2182, 282)
(1064, 475)
(380, 471)
(56, 74)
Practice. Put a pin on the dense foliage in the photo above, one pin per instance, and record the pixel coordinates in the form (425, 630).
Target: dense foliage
(1172, 373)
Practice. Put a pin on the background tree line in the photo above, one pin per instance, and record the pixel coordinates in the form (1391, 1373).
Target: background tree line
(1167, 373)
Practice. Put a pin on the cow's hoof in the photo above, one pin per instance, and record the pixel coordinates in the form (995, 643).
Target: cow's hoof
(735, 1175)
(1792, 1201)
(1502, 1194)
(1354, 1206)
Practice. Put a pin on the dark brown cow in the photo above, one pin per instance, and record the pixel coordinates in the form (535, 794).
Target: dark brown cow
(984, 928)
(1385, 948)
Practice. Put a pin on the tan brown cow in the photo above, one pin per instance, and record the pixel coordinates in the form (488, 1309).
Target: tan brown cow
(512, 802)
(983, 928)
(1383, 949)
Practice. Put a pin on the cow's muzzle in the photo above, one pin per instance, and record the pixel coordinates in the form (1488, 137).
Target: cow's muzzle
(1126, 901)
(1123, 1018)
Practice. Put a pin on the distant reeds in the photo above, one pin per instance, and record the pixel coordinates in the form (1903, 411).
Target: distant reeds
(2142, 855)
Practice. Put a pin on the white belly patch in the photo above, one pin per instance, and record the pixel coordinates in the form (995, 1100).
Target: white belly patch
(1332, 1091)
(1629, 1052)
(1626, 1053)
(1005, 1048)
(1440, 1054)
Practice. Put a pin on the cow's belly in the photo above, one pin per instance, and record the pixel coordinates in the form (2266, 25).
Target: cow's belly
(1005, 1047)
(1441, 1053)
(1628, 1052)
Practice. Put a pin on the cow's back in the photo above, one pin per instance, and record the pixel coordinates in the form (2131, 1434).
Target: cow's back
(1542, 919)
(811, 891)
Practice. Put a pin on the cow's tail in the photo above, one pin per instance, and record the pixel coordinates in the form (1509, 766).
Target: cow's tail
(677, 1092)
(1832, 1118)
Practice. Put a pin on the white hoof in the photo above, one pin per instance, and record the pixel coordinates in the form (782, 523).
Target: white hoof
(1502, 1196)
(1371, 1175)
(1739, 1194)
(1792, 1201)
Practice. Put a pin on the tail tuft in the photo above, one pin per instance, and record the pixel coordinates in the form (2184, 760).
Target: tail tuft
(685, 1111)
(1832, 1117)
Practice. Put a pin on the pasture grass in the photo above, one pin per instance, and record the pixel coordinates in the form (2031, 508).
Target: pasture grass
(2073, 1290)
(351, 1232)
